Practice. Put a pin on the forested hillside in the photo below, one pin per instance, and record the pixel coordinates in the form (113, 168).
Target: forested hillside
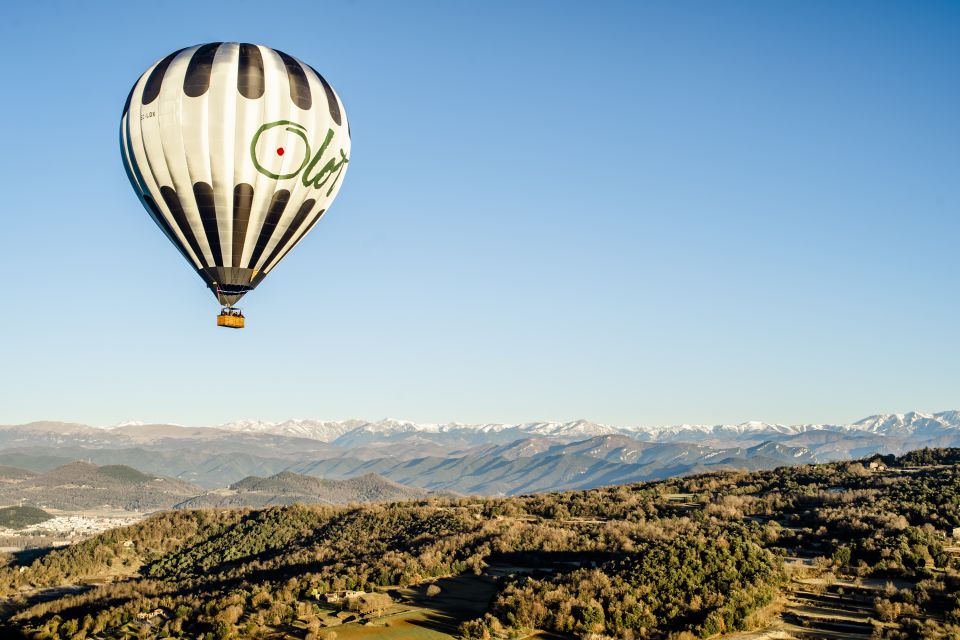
(288, 488)
(680, 558)
(81, 485)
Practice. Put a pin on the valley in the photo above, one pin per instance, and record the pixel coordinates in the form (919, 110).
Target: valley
(63, 528)
(861, 549)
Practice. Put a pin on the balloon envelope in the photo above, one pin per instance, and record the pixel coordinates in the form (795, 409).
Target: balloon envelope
(236, 151)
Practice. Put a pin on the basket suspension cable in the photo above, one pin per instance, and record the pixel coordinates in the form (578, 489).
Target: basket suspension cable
(229, 316)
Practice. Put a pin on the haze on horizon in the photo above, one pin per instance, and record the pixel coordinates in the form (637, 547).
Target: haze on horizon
(637, 215)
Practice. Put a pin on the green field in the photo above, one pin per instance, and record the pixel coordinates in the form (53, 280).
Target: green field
(420, 617)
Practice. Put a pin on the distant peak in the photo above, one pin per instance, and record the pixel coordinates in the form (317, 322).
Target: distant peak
(354, 432)
(330, 430)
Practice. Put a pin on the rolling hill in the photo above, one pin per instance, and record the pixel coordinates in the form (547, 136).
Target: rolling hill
(20, 517)
(286, 488)
(81, 485)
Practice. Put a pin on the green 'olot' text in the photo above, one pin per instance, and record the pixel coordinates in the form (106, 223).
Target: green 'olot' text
(331, 169)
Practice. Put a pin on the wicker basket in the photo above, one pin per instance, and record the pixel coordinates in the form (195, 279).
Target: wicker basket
(229, 320)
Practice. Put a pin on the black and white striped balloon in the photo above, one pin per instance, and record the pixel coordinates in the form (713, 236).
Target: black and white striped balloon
(236, 151)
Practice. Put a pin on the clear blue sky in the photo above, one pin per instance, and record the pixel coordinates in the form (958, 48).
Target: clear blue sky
(637, 213)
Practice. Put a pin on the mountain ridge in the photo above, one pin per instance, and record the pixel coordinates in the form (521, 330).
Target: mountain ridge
(479, 459)
(331, 430)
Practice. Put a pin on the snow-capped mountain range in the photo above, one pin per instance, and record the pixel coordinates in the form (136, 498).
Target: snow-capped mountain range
(354, 432)
(487, 459)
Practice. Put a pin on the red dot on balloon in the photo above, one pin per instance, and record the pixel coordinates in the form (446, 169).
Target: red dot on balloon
(280, 151)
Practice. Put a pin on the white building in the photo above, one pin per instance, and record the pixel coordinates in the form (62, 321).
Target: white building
(336, 597)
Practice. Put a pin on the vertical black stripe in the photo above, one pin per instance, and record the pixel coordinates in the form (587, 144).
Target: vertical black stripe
(173, 203)
(152, 89)
(197, 80)
(332, 103)
(277, 204)
(126, 105)
(161, 221)
(250, 82)
(242, 201)
(295, 225)
(203, 193)
(299, 86)
(299, 237)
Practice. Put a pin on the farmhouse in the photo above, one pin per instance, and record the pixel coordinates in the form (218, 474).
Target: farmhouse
(338, 597)
(147, 615)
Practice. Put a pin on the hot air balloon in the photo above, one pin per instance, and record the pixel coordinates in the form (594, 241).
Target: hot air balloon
(236, 151)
